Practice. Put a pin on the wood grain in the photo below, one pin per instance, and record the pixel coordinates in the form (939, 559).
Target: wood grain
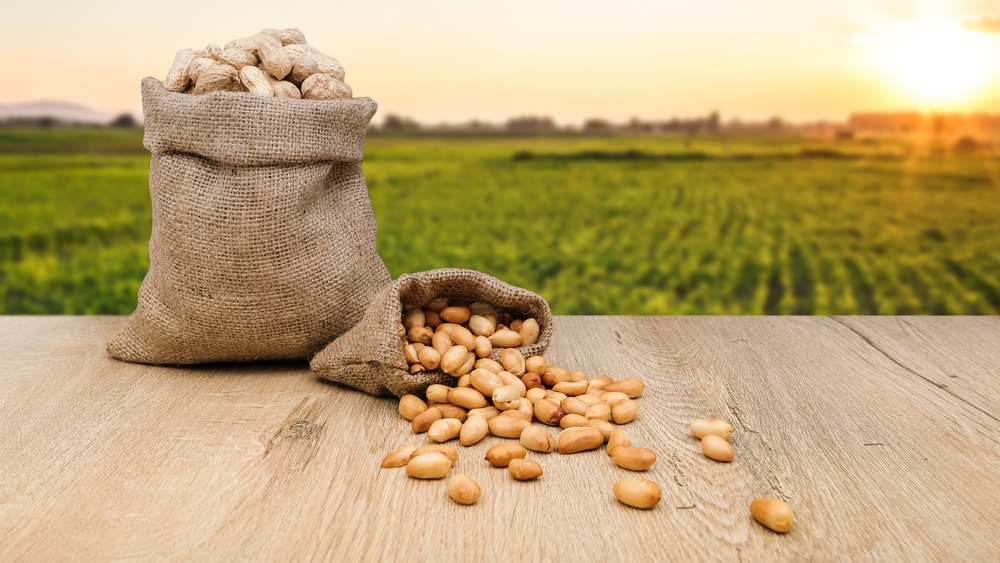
(882, 433)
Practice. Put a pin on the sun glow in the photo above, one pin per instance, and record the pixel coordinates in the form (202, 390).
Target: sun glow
(939, 62)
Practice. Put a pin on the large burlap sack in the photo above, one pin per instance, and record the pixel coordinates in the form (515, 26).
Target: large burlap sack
(263, 240)
(370, 356)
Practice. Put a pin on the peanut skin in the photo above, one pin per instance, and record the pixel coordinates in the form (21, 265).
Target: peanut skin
(253, 81)
(218, 77)
(198, 65)
(303, 67)
(237, 58)
(177, 77)
(273, 56)
(287, 36)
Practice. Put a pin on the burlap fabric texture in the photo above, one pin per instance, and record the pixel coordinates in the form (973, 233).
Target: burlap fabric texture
(370, 356)
(263, 240)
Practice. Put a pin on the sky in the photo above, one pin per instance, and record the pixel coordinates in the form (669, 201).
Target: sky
(451, 61)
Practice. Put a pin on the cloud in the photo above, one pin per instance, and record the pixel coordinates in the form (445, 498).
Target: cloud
(985, 24)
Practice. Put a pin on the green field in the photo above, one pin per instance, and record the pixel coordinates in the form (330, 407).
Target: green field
(602, 225)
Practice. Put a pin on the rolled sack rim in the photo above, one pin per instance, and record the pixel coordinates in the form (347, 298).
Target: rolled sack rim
(242, 129)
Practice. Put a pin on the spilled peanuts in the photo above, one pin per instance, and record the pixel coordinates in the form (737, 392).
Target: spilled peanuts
(505, 398)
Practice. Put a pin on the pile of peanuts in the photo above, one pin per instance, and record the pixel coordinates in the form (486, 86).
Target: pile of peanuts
(504, 398)
(275, 63)
(451, 335)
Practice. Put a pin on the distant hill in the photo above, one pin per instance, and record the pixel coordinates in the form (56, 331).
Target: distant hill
(62, 112)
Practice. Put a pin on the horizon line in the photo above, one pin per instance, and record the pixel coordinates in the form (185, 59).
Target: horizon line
(557, 121)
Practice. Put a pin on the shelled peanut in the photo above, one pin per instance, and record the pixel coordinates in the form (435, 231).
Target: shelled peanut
(463, 490)
(772, 513)
(451, 335)
(274, 63)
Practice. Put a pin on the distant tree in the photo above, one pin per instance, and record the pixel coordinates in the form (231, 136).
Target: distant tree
(775, 123)
(967, 144)
(939, 124)
(844, 135)
(123, 121)
(636, 125)
(531, 124)
(596, 125)
(712, 123)
(393, 122)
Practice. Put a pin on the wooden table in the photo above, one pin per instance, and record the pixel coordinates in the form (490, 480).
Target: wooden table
(882, 433)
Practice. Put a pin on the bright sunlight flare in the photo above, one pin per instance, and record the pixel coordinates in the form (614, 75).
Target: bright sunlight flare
(938, 62)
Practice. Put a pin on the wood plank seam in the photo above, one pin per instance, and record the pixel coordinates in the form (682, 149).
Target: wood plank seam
(910, 370)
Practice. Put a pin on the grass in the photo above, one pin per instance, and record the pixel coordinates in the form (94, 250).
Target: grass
(601, 225)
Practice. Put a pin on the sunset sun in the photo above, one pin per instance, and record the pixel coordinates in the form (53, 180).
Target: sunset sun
(938, 62)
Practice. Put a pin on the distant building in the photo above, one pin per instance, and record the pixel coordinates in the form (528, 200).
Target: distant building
(886, 122)
(912, 122)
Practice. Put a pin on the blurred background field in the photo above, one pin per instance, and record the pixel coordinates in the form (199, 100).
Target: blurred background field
(602, 223)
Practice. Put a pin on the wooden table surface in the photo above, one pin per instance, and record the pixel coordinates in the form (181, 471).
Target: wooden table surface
(881, 432)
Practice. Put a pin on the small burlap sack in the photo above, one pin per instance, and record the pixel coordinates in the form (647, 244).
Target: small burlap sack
(263, 240)
(370, 356)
